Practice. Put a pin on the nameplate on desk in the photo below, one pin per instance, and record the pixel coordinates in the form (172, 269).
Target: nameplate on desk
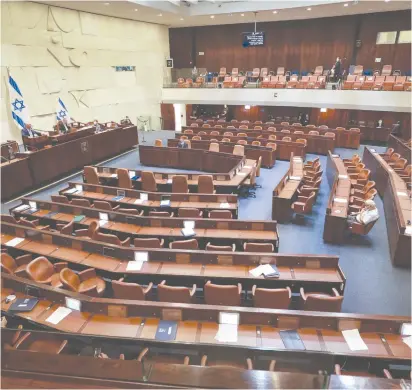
(401, 194)
(132, 174)
(15, 241)
(59, 314)
(73, 304)
(71, 191)
(340, 200)
(134, 265)
(343, 176)
(141, 256)
(103, 217)
(354, 340)
(121, 193)
(295, 178)
(33, 205)
(166, 330)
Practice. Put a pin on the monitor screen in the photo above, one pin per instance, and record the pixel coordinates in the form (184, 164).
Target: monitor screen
(253, 39)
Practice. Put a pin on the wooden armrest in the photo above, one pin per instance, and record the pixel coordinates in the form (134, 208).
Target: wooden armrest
(387, 374)
(59, 266)
(60, 226)
(62, 345)
(289, 291)
(21, 340)
(192, 293)
(249, 364)
(203, 361)
(254, 289)
(81, 232)
(358, 187)
(87, 274)
(186, 361)
(239, 287)
(148, 288)
(272, 365)
(116, 207)
(126, 242)
(302, 199)
(302, 293)
(24, 259)
(335, 292)
(142, 354)
(337, 369)
(45, 227)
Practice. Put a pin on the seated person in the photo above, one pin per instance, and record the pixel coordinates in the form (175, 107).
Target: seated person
(182, 144)
(125, 121)
(63, 126)
(27, 131)
(368, 214)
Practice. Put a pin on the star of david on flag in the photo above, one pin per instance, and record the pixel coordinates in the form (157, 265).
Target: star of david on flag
(19, 109)
(61, 111)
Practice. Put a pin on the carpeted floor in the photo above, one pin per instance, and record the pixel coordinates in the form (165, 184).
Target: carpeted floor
(373, 285)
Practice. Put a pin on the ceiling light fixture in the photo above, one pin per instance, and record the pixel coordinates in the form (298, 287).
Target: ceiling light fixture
(275, 12)
(346, 5)
(160, 15)
(136, 9)
(242, 14)
(387, 1)
(106, 3)
(309, 9)
(212, 16)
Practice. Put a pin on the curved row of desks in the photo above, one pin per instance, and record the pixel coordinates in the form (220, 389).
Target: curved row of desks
(400, 146)
(397, 205)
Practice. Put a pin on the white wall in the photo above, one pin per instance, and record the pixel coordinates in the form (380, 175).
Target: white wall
(54, 52)
(355, 100)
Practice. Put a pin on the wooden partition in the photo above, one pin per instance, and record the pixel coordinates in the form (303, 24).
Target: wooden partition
(397, 205)
(9, 150)
(251, 152)
(16, 177)
(399, 146)
(285, 193)
(179, 267)
(133, 198)
(338, 203)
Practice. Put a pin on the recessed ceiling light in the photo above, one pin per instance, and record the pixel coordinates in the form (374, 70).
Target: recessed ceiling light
(136, 9)
(242, 14)
(212, 16)
(387, 1)
(275, 12)
(160, 15)
(181, 19)
(309, 9)
(106, 3)
(346, 5)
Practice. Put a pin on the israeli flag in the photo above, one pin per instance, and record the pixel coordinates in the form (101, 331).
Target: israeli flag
(61, 111)
(19, 109)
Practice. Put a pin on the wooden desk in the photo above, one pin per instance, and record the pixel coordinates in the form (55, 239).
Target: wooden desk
(257, 332)
(285, 193)
(222, 163)
(179, 267)
(203, 202)
(251, 152)
(397, 205)
(374, 134)
(15, 177)
(72, 134)
(223, 183)
(338, 203)
(399, 146)
(127, 225)
(9, 150)
(35, 143)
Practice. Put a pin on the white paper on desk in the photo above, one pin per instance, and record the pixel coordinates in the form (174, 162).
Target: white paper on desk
(71, 191)
(134, 265)
(224, 205)
(373, 150)
(22, 207)
(295, 178)
(408, 341)
(242, 173)
(256, 271)
(189, 224)
(139, 201)
(340, 200)
(33, 205)
(343, 176)
(248, 166)
(132, 174)
(79, 188)
(406, 329)
(401, 194)
(141, 256)
(58, 315)
(103, 216)
(228, 318)
(227, 333)
(15, 241)
(188, 232)
(73, 304)
(113, 175)
(169, 181)
(408, 230)
(354, 340)
(102, 223)
(144, 196)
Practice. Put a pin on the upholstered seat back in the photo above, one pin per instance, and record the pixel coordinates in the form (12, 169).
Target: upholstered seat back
(147, 243)
(219, 248)
(131, 291)
(272, 298)
(8, 264)
(123, 177)
(81, 202)
(179, 184)
(148, 182)
(189, 213)
(185, 244)
(103, 205)
(90, 175)
(69, 279)
(222, 295)
(173, 294)
(205, 184)
(220, 214)
(60, 199)
(321, 302)
(40, 269)
(258, 247)
(108, 238)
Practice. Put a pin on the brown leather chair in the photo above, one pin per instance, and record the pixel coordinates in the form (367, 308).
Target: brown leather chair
(46, 343)
(154, 243)
(228, 134)
(90, 175)
(189, 213)
(220, 214)
(256, 143)
(224, 139)
(89, 232)
(175, 294)
(242, 142)
(179, 184)
(272, 137)
(42, 271)
(278, 298)
(239, 150)
(228, 295)
(15, 266)
(311, 163)
(103, 205)
(130, 291)
(147, 356)
(304, 204)
(85, 282)
(258, 247)
(196, 138)
(287, 139)
(148, 181)
(138, 213)
(205, 184)
(60, 199)
(110, 239)
(214, 147)
(159, 143)
(320, 301)
(161, 214)
(123, 178)
(359, 190)
(220, 248)
(81, 202)
(184, 244)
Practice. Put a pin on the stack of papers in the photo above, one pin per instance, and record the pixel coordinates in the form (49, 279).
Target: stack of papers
(143, 198)
(227, 333)
(33, 205)
(263, 269)
(134, 265)
(58, 315)
(79, 187)
(15, 241)
(169, 181)
(189, 228)
(354, 340)
(224, 205)
(22, 207)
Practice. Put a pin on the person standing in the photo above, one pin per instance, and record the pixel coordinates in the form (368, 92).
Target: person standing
(337, 69)
(194, 73)
(396, 129)
(27, 131)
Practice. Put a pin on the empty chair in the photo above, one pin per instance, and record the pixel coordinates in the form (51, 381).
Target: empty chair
(154, 243)
(189, 131)
(189, 213)
(258, 247)
(358, 82)
(201, 133)
(378, 84)
(389, 83)
(263, 73)
(255, 74)
(179, 184)
(196, 138)
(242, 135)
(158, 142)
(228, 295)
(281, 82)
(235, 72)
(175, 294)
(183, 138)
(272, 137)
(318, 70)
(231, 127)
(239, 150)
(222, 74)
(304, 204)
(205, 184)
(272, 129)
(386, 70)
(358, 70)
(16, 266)
(330, 134)
(258, 128)
(110, 239)
(302, 141)
(148, 181)
(278, 298)
(225, 139)
(323, 127)
(161, 214)
(194, 125)
(131, 211)
(293, 82)
(245, 121)
(271, 145)
(220, 248)
(348, 83)
(214, 132)
(285, 131)
(103, 205)
(399, 165)
(270, 123)
(60, 199)
(285, 123)
(243, 127)
(298, 132)
(228, 134)
(321, 301)
(360, 190)
(311, 126)
(303, 82)
(207, 126)
(214, 147)
(297, 124)
(287, 139)
(90, 175)
(368, 83)
(242, 142)
(313, 132)
(184, 244)
(85, 282)
(280, 71)
(89, 232)
(399, 83)
(123, 177)
(42, 271)
(130, 291)
(220, 214)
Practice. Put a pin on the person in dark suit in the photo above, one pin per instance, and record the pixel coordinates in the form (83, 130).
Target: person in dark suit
(396, 128)
(337, 69)
(27, 131)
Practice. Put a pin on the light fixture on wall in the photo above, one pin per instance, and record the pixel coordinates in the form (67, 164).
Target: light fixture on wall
(247, 107)
(181, 19)
(106, 3)
(323, 110)
(212, 16)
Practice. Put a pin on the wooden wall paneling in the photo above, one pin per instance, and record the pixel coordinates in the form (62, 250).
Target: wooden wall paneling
(168, 115)
(402, 57)
(180, 40)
